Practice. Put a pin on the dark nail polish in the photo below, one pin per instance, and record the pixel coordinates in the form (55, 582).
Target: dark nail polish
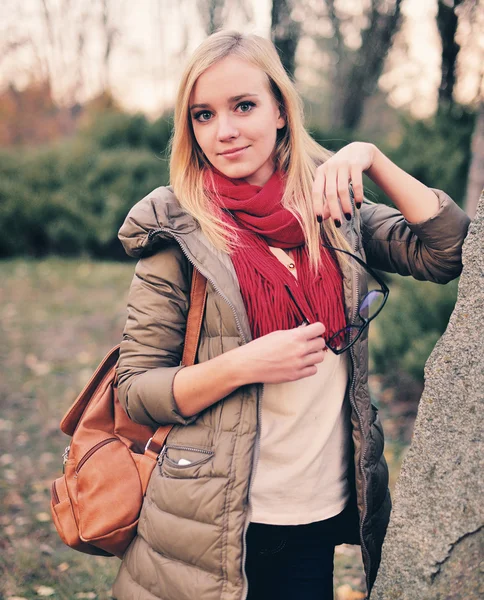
(319, 218)
(348, 216)
(337, 222)
(358, 204)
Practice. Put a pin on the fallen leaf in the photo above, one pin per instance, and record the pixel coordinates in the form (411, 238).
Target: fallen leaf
(10, 530)
(46, 457)
(84, 358)
(16, 598)
(22, 439)
(37, 497)
(43, 517)
(43, 590)
(13, 498)
(6, 459)
(6, 425)
(63, 567)
(345, 550)
(46, 549)
(10, 475)
(39, 486)
(345, 592)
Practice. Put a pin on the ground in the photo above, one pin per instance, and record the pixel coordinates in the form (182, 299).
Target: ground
(58, 318)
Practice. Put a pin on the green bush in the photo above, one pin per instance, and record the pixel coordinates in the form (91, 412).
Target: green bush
(437, 151)
(115, 130)
(407, 329)
(72, 199)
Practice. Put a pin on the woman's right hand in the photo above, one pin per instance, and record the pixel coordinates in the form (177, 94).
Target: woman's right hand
(273, 358)
(282, 356)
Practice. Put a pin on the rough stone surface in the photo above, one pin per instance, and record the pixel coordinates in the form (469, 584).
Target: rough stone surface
(434, 549)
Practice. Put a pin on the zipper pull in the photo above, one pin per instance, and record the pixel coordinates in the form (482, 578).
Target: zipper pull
(161, 456)
(65, 456)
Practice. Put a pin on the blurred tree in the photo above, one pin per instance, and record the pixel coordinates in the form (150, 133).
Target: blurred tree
(214, 13)
(211, 14)
(354, 40)
(447, 22)
(110, 33)
(358, 70)
(31, 116)
(408, 328)
(285, 33)
(437, 150)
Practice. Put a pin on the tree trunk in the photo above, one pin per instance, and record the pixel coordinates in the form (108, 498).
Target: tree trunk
(211, 14)
(285, 33)
(475, 181)
(447, 24)
(357, 82)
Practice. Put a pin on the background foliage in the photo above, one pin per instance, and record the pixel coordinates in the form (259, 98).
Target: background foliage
(71, 197)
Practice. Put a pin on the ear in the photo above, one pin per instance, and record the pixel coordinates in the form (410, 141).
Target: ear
(281, 120)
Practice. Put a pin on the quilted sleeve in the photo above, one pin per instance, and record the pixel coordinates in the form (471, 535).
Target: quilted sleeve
(153, 338)
(429, 250)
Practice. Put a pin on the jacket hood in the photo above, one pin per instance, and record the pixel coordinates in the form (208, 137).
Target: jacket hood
(158, 210)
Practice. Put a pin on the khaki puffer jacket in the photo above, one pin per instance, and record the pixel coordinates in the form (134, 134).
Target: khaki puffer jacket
(191, 535)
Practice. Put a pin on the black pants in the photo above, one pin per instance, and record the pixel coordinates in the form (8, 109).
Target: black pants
(292, 561)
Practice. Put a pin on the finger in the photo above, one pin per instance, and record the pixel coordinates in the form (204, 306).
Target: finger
(344, 192)
(309, 371)
(312, 331)
(317, 193)
(315, 345)
(357, 183)
(331, 193)
(314, 358)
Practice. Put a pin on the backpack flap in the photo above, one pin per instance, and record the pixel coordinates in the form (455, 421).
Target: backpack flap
(71, 418)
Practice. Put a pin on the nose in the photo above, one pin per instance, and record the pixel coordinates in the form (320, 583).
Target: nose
(226, 129)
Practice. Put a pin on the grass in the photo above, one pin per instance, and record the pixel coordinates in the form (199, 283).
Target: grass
(58, 318)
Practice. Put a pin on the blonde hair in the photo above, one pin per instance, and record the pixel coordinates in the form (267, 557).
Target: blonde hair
(296, 153)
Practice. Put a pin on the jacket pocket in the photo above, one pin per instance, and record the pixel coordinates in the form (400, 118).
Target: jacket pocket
(184, 461)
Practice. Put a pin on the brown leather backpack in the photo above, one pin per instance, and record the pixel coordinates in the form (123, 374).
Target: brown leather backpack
(96, 504)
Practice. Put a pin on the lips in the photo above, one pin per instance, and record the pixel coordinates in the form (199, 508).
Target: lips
(233, 151)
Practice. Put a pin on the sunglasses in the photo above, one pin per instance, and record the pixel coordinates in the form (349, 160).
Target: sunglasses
(369, 308)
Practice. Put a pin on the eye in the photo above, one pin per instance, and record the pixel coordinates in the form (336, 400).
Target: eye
(202, 116)
(246, 106)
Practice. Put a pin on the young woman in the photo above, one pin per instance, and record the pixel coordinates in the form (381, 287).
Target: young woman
(276, 455)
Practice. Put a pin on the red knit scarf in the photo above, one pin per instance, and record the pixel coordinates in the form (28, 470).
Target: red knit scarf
(263, 222)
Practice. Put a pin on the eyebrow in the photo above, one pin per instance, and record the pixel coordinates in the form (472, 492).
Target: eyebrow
(231, 99)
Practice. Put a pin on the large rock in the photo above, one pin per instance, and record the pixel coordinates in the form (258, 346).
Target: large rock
(434, 548)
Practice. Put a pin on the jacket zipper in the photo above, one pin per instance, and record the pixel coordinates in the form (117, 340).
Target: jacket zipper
(151, 234)
(189, 448)
(92, 450)
(161, 456)
(182, 245)
(364, 549)
(252, 477)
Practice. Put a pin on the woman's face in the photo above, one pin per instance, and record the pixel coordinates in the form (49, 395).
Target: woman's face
(235, 119)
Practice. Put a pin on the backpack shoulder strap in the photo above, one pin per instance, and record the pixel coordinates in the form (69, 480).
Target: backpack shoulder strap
(198, 297)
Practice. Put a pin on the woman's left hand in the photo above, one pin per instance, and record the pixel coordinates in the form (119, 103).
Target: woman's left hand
(331, 195)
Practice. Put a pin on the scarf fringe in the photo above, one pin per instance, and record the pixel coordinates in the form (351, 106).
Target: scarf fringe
(262, 221)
